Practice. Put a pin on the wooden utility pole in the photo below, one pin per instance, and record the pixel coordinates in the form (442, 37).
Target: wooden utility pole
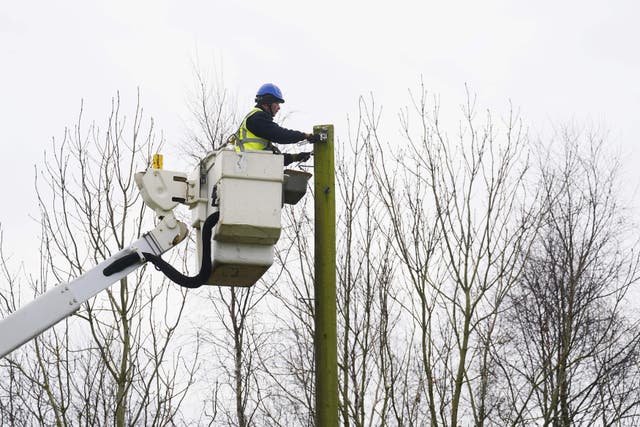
(325, 340)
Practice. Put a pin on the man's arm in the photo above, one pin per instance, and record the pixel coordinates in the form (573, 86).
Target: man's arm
(262, 124)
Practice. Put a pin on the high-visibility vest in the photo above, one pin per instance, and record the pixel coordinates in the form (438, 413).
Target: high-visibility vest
(247, 140)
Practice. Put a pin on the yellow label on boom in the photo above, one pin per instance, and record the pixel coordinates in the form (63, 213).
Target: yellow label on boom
(157, 161)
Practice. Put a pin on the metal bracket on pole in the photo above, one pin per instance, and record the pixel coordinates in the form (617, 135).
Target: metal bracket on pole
(322, 132)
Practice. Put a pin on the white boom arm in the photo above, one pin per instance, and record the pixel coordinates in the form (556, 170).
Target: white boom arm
(64, 299)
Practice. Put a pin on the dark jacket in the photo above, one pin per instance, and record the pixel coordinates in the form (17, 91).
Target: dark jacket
(261, 124)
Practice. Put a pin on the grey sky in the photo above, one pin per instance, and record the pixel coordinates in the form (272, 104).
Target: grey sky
(556, 61)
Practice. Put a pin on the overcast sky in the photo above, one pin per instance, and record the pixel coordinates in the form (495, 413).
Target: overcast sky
(556, 61)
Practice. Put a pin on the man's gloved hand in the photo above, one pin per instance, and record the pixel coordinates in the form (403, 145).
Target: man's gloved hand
(298, 157)
(303, 157)
(313, 138)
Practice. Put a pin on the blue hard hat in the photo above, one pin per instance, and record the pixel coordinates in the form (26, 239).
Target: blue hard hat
(268, 93)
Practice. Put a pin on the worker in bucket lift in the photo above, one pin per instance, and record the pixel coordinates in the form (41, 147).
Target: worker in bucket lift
(258, 131)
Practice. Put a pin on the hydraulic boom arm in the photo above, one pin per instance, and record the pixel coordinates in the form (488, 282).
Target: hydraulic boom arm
(64, 299)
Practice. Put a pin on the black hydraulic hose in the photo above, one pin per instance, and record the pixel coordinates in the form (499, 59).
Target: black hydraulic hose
(120, 264)
(205, 268)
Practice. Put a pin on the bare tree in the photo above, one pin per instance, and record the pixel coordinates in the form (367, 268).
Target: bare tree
(117, 360)
(15, 389)
(458, 246)
(213, 114)
(575, 351)
(287, 359)
(365, 272)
